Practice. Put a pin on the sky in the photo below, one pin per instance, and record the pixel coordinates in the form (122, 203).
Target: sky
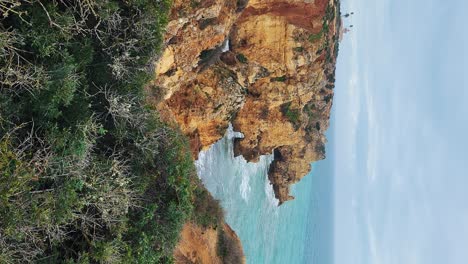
(400, 134)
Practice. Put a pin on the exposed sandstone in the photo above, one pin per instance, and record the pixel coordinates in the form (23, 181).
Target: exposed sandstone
(275, 84)
(200, 245)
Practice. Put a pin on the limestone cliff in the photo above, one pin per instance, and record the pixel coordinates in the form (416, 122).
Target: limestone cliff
(204, 245)
(266, 66)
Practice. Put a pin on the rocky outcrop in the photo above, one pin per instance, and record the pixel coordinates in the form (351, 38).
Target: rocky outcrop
(266, 66)
(202, 245)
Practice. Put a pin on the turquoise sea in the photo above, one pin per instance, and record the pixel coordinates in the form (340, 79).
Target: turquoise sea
(299, 231)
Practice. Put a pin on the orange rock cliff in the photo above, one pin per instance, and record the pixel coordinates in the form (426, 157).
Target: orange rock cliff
(266, 66)
(201, 245)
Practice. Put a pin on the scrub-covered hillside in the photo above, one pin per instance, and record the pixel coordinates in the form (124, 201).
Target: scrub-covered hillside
(88, 172)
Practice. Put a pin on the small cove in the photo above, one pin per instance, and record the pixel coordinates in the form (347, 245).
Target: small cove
(290, 233)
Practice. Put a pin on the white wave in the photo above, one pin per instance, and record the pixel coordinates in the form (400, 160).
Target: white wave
(245, 187)
(268, 188)
(211, 163)
(231, 134)
(225, 46)
(200, 163)
(270, 195)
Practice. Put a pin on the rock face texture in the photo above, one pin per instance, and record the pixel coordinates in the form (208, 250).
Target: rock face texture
(200, 245)
(266, 66)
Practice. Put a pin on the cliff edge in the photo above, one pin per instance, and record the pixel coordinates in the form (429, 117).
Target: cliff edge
(266, 66)
(208, 245)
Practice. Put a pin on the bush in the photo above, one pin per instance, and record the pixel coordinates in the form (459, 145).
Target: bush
(298, 49)
(293, 115)
(207, 210)
(241, 57)
(89, 174)
(279, 79)
(316, 37)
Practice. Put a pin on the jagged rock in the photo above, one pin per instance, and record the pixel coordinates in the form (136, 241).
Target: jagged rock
(275, 84)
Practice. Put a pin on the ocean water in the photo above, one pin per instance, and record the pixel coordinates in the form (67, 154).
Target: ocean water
(298, 231)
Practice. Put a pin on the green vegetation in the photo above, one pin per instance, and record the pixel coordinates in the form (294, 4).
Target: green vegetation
(206, 55)
(207, 211)
(88, 172)
(293, 115)
(330, 13)
(279, 79)
(242, 58)
(298, 49)
(316, 37)
(327, 19)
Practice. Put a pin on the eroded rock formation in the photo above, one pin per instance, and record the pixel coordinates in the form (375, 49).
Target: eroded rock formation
(202, 245)
(266, 66)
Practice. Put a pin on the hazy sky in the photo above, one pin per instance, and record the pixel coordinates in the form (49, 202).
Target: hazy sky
(401, 129)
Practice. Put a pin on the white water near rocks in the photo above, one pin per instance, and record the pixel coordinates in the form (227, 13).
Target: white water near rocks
(269, 234)
(225, 46)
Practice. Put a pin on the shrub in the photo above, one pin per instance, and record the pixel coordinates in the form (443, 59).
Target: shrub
(316, 37)
(207, 211)
(89, 173)
(241, 57)
(293, 115)
(279, 79)
(209, 57)
(298, 49)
